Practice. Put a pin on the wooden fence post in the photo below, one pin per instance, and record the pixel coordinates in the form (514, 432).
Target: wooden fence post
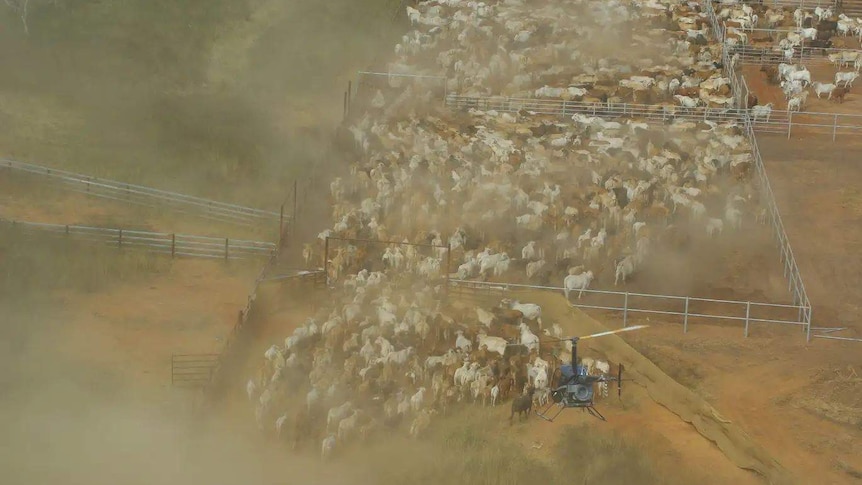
(226, 244)
(120, 239)
(173, 245)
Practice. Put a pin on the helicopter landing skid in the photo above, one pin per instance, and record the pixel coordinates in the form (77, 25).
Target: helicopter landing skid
(544, 412)
(595, 413)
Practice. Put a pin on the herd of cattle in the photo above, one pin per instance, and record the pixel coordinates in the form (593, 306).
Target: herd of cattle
(778, 43)
(500, 196)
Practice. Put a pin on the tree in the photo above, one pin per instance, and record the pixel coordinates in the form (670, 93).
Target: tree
(21, 7)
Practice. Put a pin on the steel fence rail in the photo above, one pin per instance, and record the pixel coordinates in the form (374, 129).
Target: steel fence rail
(793, 4)
(157, 242)
(833, 124)
(146, 196)
(646, 303)
(561, 107)
(780, 121)
(791, 269)
(774, 55)
(850, 8)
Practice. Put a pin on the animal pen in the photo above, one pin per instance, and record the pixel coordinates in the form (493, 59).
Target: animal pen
(688, 309)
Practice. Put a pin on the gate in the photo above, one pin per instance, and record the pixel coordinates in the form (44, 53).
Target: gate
(192, 370)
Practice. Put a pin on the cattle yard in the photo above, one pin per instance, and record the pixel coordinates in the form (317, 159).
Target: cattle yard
(519, 170)
(512, 166)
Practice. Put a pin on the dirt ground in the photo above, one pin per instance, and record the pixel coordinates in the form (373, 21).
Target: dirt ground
(670, 440)
(780, 390)
(820, 71)
(821, 208)
(754, 382)
(131, 331)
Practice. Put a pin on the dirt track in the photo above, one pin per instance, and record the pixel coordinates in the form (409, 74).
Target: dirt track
(691, 408)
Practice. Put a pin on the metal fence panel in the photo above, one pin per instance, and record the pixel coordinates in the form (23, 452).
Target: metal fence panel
(163, 243)
(146, 196)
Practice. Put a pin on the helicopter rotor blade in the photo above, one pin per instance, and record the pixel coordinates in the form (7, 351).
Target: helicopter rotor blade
(611, 332)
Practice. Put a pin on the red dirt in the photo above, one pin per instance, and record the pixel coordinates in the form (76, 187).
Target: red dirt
(823, 72)
(132, 331)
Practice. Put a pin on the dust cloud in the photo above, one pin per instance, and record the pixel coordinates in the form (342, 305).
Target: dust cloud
(230, 99)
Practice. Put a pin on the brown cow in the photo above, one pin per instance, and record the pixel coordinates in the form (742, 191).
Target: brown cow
(751, 102)
(838, 94)
(522, 405)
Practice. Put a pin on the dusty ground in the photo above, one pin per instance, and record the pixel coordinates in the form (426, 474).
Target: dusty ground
(669, 441)
(136, 329)
(821, 213)
(820, 71)
(790, 396)
(190, 310)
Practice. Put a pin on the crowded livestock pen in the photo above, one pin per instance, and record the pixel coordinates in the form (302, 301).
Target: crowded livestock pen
(788, 40)
(434, 194)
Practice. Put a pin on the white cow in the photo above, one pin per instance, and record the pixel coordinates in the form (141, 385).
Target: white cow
(578, 282)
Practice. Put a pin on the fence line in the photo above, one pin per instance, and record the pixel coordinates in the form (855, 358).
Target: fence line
(561, 107)
(147, 196)
(193, 370)
(773, 55)
(853, 10)
(780, 121)
(311, 278)
(791, 269)
(686, 307)
(793, 3)
(833, 124)
(156, 242)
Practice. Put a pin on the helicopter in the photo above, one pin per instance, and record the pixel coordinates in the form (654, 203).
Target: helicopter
(574, 388)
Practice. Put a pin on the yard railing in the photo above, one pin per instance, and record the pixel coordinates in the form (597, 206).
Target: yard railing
(560, 107)
(157, 242)
(147, 196)
(790, 4)
(808, 122)
(192, 370)
(774, 55)
(780, 121)
(687, 308)
(788, 261)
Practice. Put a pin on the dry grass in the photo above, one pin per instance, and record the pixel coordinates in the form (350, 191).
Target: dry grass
(33, 265)
(836, 395)
(473, 448)
(686, 373)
